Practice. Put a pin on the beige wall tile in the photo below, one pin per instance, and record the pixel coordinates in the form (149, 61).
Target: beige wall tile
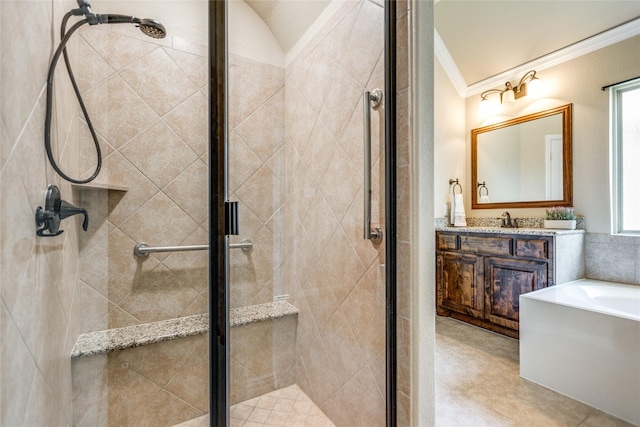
(361, 393)
(117, 112)
(243, 162)
(164, 90)
(23, 49)
(190, 191)
(194, 66)
(94, 67)
(262, 193)
(168, 410)
(365, 43)
(320, 224)
(251, 84)
(263, 131)
(161, 164)
(117, 50)
(189, 121)
(364, 310)
(140, 188)
(150, 223)
(19, 369)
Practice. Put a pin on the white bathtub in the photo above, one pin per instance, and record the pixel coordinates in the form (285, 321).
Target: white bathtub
(582, 339)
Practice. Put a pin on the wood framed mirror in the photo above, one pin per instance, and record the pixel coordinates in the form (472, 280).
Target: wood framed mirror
(523, 162)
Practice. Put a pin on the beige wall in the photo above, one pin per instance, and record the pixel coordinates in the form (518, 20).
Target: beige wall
(449, 150)
(40, 306)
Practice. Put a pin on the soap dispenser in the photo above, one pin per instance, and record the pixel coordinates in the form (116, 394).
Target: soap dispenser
(55, 210)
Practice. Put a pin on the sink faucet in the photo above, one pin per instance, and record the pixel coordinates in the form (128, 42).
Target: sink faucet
(506, 221)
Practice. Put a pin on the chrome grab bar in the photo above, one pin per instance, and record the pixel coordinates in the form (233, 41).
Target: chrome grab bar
(143, 250)
(369, 100)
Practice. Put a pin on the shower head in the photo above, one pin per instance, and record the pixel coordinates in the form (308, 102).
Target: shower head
(152, 28)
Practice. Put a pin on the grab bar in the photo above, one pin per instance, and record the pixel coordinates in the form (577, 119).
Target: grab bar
(143, 250)
(369, 100)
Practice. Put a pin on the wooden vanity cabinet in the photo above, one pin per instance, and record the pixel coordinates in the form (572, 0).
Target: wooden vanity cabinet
(480, 276)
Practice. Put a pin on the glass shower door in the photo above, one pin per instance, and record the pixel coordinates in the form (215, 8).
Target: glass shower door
(144, 314)
(307, 301)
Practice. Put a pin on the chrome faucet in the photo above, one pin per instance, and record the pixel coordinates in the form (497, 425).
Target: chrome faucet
(507, 222)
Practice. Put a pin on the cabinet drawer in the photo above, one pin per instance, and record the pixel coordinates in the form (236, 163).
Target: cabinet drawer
(447, 241)
(487, 245)
(532, 248)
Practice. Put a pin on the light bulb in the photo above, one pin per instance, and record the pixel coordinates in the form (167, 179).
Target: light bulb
(508, 97)
(535, 87)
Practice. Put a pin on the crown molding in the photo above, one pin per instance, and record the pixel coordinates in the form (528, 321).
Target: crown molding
(449, 65)
(604, 39)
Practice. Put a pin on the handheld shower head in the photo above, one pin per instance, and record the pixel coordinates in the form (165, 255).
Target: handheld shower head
(152, 28)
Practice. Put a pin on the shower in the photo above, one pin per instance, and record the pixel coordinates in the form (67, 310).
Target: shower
(150, 27)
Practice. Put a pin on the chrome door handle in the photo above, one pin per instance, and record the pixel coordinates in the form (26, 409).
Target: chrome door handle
(369, 100)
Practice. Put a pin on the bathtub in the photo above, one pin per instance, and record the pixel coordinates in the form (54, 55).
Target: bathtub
(582, 339)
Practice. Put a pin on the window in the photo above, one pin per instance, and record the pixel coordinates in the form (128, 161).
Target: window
(625, 129)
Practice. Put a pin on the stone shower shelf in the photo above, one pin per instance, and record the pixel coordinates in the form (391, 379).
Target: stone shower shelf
(101, 186)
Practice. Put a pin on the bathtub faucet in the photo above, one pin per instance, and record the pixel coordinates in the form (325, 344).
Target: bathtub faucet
(507, 222)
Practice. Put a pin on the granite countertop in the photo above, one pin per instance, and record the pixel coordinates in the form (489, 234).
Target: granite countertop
(500, 230)
(99, 342)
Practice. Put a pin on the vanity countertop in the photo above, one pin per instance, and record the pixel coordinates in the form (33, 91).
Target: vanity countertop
(500, 230)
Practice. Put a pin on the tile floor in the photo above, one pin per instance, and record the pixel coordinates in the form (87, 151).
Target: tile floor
(288, 407)
(478, 384)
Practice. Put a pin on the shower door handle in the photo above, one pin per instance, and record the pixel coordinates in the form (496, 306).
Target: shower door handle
(369, 100)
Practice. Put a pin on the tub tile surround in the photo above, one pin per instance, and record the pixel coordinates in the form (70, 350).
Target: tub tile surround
(613, 258)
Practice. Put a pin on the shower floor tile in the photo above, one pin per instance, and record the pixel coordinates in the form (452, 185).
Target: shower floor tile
(289, 407)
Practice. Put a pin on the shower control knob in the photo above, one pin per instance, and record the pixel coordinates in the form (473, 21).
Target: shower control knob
(55, 209)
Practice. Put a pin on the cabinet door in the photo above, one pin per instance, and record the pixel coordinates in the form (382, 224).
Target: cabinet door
(506, 279)
(460, 285)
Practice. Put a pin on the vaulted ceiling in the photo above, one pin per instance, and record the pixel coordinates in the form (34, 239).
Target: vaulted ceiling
(288, 19)
(487, 37)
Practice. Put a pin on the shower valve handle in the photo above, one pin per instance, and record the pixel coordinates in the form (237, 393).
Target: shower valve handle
(55, 210)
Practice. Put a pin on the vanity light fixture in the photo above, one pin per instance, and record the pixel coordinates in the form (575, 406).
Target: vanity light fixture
(529, 83)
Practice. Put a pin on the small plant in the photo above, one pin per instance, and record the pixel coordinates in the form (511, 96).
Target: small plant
(560, 213)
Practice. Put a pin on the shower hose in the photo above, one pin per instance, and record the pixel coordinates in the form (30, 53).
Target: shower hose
(64, 37)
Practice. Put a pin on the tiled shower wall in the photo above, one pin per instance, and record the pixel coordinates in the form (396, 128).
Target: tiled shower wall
(335, 277)
(40, 306)
(256, 178)
(148, 103)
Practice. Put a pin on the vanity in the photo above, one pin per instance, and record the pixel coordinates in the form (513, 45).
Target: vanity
(482, 271)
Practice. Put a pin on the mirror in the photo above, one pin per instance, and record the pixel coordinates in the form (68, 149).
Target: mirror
(523, 162)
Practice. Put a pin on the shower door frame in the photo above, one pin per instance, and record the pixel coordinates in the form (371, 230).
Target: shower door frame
(218, 240)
